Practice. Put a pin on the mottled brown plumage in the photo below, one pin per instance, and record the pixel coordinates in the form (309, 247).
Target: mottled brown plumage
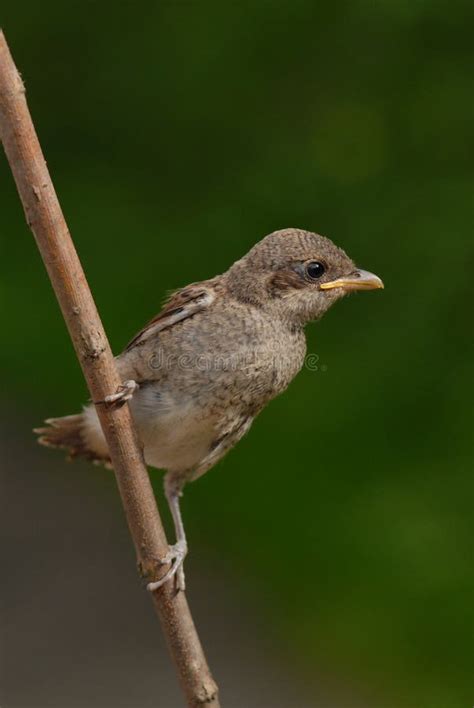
(215, 355)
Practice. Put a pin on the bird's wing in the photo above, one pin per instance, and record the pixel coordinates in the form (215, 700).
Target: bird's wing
(181, 305)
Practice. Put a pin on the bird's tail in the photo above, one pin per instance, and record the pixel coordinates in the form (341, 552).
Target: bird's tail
(72, 433)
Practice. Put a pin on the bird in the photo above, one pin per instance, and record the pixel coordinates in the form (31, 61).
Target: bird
(197, 375)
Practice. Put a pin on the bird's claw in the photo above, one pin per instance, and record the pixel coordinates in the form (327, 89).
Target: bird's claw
(176, 555)
(123, 394)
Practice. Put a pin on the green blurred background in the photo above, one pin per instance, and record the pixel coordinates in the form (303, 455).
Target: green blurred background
(177, 135)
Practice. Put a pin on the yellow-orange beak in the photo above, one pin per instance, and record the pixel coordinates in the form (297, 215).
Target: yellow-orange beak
(358, 280)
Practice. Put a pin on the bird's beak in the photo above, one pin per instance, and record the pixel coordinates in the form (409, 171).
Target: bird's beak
(358, 280)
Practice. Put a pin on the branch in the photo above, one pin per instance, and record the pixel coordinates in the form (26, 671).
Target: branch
(45, 218)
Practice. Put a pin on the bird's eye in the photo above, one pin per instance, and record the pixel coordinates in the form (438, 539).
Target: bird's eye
(315, 270)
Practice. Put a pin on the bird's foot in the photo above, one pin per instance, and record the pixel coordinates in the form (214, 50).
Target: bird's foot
(123, 394)
(176, 556)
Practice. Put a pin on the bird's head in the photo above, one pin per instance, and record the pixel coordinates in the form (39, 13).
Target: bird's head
(297, 275)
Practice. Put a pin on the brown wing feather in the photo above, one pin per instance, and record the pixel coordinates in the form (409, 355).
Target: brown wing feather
(181, 305)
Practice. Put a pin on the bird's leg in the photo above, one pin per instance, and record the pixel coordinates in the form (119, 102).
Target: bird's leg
(177, 552)
(123, 394)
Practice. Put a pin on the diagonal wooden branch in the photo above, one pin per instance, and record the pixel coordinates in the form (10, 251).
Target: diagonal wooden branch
(44, 216)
